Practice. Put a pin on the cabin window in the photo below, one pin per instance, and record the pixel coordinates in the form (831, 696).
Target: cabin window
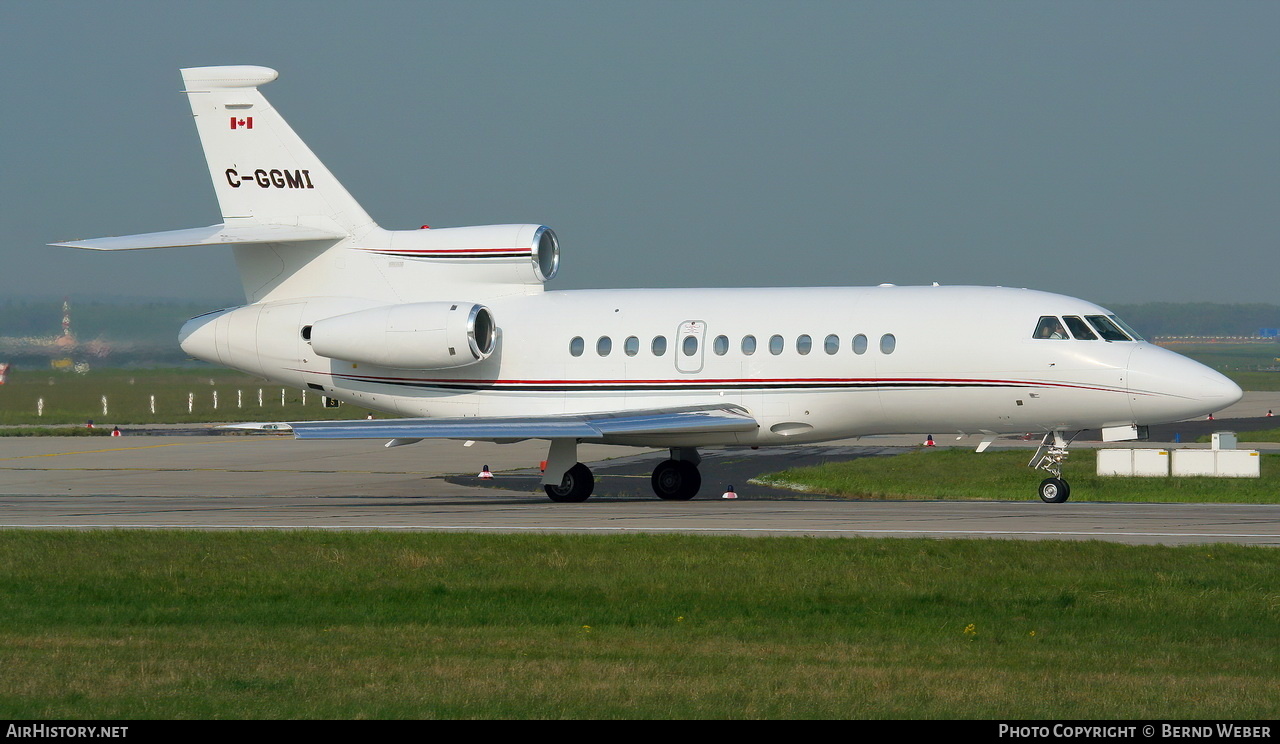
(888, 343)
(689, 345)
(659, 345)
(832, 344)
(1050, 327)
(748, 345)
(775, 345)
(1108, 330)
(576, 346)
(604, 346)
(804, 344)
(631, 346)
(859, 344)
(721, 345)
(306, 333)
(1079, 328)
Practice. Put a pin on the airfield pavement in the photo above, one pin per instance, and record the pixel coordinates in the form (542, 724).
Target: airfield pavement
(177, 478)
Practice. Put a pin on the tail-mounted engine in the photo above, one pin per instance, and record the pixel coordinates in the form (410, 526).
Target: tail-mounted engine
(419, 335)
(498, 254)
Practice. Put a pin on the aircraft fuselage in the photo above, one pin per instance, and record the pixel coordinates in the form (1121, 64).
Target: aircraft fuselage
(848, 362)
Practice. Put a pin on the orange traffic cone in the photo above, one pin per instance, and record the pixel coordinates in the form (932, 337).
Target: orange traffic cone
(484, 473)
(929, 442)
(115, 432)
(729, 494)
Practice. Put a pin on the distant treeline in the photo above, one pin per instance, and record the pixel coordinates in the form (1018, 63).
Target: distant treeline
(137, 322)
(1198, 318)
(111, 334)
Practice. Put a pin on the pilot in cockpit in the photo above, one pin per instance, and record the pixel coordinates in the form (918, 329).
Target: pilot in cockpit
(1050, 327)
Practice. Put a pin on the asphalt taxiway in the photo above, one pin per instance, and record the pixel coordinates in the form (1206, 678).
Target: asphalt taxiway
(276, 482)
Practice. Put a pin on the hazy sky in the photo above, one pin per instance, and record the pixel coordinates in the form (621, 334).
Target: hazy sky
(1117, 151)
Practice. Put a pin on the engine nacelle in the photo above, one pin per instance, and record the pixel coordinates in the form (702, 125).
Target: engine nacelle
(418, 335)
(517, 254)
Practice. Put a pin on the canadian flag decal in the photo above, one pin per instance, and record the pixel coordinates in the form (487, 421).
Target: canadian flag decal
(245, 123)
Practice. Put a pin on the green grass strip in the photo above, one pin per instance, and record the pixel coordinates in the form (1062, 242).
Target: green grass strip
(962, 474)
(40, 397)
(1265, 435)
(378, 625)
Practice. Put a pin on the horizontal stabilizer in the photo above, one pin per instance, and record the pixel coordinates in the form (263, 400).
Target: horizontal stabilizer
(686, 420)
(211, 235)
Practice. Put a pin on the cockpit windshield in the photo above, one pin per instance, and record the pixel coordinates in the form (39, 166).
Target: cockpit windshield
(1106, 327)
(1132, 333)
(1079, 328)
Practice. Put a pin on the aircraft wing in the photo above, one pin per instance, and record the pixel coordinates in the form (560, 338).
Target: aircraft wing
(211, 235)
(684, 420)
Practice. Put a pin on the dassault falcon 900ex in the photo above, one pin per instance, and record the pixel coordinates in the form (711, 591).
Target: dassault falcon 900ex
(452, 329)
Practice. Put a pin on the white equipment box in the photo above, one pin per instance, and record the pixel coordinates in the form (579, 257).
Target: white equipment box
(1147, 463)
(1224, 463)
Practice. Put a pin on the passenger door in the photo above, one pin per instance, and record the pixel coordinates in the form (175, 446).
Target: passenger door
(689, 343)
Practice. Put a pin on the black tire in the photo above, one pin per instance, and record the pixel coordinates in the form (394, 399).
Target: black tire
(1054, 490)
(577, 485)
(676, 480)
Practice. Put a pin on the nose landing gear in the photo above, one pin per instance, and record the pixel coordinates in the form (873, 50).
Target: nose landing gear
(1049, 457)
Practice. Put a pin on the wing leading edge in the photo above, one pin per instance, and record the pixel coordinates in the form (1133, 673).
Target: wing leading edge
(685, 420)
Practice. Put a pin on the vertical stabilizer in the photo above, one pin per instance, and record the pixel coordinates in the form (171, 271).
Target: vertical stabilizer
(262, 172)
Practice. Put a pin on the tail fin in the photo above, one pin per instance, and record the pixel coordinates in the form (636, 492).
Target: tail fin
(262, 171)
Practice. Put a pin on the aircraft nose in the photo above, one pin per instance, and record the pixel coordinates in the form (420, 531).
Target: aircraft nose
(1217, 386)
(1166, 387)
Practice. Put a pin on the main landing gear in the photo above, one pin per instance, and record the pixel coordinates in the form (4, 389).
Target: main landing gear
(576, 485)
(1049, 457)
(676, 479)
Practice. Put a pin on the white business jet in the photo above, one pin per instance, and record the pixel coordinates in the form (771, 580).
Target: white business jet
(452, 329)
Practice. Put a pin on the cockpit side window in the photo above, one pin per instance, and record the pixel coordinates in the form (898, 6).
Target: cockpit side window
(1108, 330)
(1050, 327)
(1079, 328)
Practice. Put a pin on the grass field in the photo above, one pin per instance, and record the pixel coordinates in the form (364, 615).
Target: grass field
(377, 625)
(1265, 435)
(1243, 363)
(962, 474)
(70, 398)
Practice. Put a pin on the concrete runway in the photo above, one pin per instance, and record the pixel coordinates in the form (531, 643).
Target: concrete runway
(275, 482)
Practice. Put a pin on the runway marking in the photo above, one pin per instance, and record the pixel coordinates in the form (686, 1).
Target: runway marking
(483, 528)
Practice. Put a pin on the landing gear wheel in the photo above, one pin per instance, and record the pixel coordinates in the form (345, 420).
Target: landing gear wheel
(1054, 490)
(676, 480)
(577, 485)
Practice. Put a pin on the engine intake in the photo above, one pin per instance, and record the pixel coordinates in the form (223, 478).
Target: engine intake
(418, 335)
